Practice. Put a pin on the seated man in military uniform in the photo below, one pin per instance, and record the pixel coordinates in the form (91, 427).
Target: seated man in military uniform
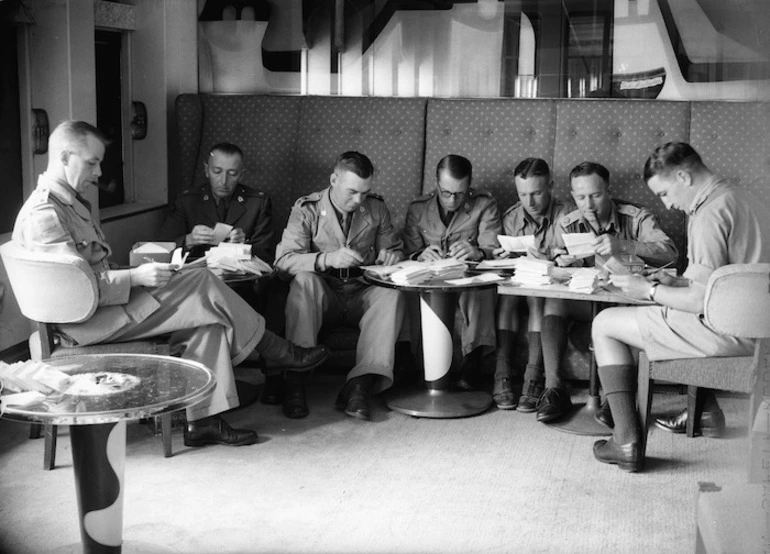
(223, 199)
(619, 228)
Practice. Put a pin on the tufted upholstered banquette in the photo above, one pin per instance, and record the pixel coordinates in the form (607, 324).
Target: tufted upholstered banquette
(290, 143)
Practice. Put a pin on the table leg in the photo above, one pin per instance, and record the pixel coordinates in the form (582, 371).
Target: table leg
(581, 420)
(98, 456)
(435, 399)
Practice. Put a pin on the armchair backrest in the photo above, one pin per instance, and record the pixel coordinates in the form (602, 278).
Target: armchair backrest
(737, 300)
(50, 288)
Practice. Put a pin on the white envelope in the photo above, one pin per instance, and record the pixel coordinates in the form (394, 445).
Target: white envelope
(221, 232)
(517, 244)
(579, 245)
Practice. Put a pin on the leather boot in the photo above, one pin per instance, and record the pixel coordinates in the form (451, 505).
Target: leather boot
(353, 399)
(274, 389)
(295, 403)
(280, 353)
(215, 430)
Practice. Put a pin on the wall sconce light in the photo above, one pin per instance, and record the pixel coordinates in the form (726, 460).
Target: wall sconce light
(40, 131)
(488, 9)
(138, 120)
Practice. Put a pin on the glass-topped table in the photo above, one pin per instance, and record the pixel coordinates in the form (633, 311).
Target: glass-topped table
(106, 390)
(436, 398)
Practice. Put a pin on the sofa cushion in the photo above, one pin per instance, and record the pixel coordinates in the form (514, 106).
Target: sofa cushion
(494, 134)
(390, 131)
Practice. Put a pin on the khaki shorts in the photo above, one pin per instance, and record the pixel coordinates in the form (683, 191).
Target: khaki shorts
(670, 334)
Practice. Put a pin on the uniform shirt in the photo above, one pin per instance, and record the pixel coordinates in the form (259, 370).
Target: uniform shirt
(248, 209)
(476, 220)
(517, 222)
(726, 226)
(313, 228)
(627, 222)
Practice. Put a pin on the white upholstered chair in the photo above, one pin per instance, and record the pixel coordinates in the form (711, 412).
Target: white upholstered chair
(61, 288)
(737, 303)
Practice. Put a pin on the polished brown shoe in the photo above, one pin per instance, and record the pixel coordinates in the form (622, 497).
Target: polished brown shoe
(604, 415)
(529, 400)
(712, 424)
(295, 403)
(627, 457)
(353, 399)
(503, 395)
(554, 403)
(215, 430)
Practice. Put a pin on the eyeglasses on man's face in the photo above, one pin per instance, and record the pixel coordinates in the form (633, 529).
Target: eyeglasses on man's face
(459, 195)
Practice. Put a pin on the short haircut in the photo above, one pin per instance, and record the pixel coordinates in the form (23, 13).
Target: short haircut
(355, 162)
(226, 148)
(458, 167)
(670, 156)
(586, 169)
(532, 167)
(71, 136)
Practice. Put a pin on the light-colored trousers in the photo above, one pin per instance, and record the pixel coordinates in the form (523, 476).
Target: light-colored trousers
(316, 299)
(207, 323)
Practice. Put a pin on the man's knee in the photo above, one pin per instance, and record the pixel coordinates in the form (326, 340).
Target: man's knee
(604, 323)
(305, 282)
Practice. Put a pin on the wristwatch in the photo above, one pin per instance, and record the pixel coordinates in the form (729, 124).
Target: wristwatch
(651, 292)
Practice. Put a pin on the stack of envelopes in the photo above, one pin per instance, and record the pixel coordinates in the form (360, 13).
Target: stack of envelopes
(585, 279)
(531, 272)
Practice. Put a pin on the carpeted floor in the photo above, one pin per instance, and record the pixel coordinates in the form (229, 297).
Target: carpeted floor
(498, 483)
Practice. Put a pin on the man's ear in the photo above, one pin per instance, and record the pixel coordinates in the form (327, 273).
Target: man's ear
(684, 177)
(333, 179)
(206, 169)
(65, 157)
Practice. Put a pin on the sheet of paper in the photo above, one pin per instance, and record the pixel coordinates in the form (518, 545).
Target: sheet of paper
(151, 248)
(483, 278)
(505, 263)
(385, 270)
(579, 244)
(517, 244)
(221, 232)
(177, 258)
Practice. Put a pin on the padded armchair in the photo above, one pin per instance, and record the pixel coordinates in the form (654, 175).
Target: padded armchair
(737, 303)
(61, 288)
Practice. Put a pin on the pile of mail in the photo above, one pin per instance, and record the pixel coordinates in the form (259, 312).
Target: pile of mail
(586, 279)
(531, 272)
(448, 268)
(236, 258)
(32, 376)
(414, 273)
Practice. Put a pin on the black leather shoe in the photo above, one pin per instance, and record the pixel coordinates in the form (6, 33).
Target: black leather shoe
(553, 404)
(295, 403)
(298, 358)
(215, 430)
(628, 457)
(604, 415)
(529, 400)
(353, 399)
(273, 390)
(712, 424)
(503, 394)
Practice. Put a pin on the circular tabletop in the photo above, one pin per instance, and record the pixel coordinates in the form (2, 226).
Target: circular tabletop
(113, 387)
(434, 284)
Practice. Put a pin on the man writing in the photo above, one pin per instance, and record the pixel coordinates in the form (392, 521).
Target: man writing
(223, 199)
(205, 320)
(618, 228)
(727, 225)
(330, 234)
(536, 213)
(457, 221)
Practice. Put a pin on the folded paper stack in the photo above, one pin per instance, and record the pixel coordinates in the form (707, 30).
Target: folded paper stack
(585, 279)
(448, 268)
(412, 274)
(531, 272)
(236, 258)
(33, 376)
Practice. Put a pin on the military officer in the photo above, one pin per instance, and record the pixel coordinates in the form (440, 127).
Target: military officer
(330, 234)
(224, 199)
(536, 213)
(619, 228)
(205, 320)
(455, 220)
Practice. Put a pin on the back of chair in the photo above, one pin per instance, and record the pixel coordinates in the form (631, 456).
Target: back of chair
(737, 300)
(50, 288)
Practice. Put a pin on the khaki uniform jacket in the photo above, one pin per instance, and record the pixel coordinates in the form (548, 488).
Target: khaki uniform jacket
(249, 210)
(628, 222)
(477, 220)
(53, 220)
(517, 222)
(313, 228)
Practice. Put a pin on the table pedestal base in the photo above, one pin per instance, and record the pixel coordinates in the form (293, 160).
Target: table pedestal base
(431, 403)
(580, 420)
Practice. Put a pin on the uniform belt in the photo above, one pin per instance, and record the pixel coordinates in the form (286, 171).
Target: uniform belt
(345, 273)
